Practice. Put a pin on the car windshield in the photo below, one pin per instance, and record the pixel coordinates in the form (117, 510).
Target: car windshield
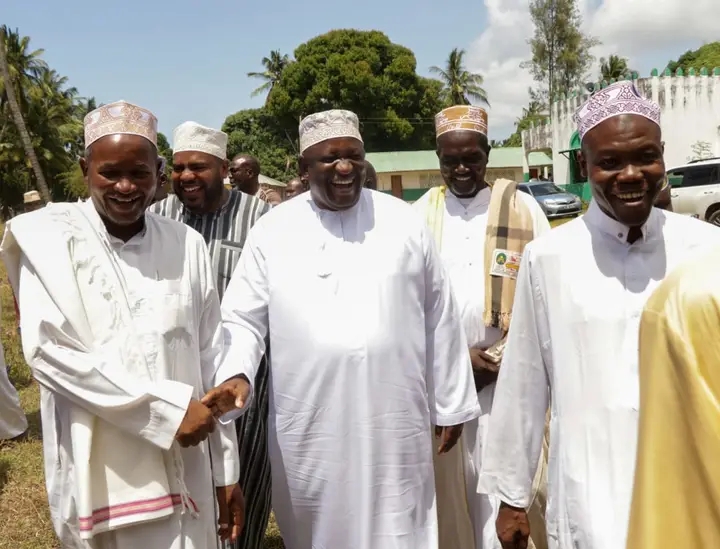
(544, 189)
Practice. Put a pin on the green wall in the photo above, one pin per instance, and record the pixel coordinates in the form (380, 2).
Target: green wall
(410, 195)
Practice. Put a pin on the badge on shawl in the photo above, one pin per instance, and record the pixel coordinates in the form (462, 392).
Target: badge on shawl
(505, 263)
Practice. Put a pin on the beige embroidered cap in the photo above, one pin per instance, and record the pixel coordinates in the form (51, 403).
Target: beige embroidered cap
(461, 117)
(120, 117)
(619, 98)
(191, 136)
(31, 196)
(325, 125)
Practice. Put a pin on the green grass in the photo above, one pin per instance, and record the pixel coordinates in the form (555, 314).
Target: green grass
(24, 516)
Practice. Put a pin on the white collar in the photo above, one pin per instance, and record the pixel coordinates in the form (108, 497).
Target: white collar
(613, 228)
(480, 199)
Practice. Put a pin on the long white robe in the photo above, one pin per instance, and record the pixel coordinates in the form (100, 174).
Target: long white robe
(13, 422)
(574, 335)
(171, 292)
(368, 351)
(463, 253)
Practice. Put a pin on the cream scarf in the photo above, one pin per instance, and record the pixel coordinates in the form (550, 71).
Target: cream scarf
(509, 227)
(120, 479)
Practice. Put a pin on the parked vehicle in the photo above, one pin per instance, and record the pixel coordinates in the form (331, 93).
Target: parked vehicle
(696, 189)
(554, 201)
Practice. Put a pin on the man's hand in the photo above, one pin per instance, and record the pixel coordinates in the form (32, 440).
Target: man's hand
(513, 528)
(485, 372)
(448, 437)
(227, 396)
(197, 424)
(231, 516)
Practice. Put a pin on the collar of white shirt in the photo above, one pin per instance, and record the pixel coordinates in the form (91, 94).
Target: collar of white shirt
(614, 229)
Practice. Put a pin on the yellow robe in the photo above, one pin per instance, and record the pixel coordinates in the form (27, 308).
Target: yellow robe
(676, 498)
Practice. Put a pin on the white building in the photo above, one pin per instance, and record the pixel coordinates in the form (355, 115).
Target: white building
(690, 120)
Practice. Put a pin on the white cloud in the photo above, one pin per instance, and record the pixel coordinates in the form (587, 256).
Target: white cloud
(636, 29)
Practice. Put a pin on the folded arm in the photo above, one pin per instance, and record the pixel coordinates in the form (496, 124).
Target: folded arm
(94, 379)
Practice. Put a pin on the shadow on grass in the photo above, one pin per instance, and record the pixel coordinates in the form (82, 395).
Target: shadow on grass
(273, 541)
(4, 473)
(34, 425)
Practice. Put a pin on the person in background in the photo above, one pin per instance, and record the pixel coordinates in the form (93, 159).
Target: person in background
(574, 339)
(244, 173)
(473, 223)
(664, 199)
(32, 201)
(161, 192)
(121, 328)
(371, 178)
(269, 194)
(224, 217)
(367, 352)
(295, 187)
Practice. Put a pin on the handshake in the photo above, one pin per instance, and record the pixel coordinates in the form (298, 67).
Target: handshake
(200, 416)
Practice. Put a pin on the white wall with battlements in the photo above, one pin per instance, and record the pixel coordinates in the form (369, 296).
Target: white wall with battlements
(690, 114)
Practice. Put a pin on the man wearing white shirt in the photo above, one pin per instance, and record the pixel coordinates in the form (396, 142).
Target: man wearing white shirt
(466, 215)
(574, 338)
(368, 352)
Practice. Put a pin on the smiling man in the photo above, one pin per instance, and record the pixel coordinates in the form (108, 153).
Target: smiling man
(574, 338)
(121, 327)
(223, 217)
(473, 223)
(367, 352)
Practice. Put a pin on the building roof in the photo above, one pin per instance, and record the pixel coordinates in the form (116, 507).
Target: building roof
(264, 180)
(415, 161)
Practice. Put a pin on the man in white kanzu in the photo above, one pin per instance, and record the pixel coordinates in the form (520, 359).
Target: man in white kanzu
(121, 326)
(474, 225)
(367, 352)
(573, 343)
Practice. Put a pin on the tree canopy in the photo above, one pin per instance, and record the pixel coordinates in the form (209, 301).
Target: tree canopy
(707, 56)
(365, 72)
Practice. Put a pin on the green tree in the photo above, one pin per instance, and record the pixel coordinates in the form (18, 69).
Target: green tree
(560, 50)
(165, 151)
(535, 113)
(459, 84)
(614, 68)
(255, 132)
(362, 71)
(274, 67)
(707, 56)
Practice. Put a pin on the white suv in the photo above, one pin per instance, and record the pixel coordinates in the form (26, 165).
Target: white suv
(696, 189)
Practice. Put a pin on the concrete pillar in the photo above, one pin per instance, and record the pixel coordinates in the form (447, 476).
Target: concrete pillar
(526, 164)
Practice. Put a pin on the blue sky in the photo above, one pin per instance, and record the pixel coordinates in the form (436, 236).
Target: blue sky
(188, 60)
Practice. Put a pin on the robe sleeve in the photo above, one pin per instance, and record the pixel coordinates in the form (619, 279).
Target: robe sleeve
(244, 312)
(62, 364)
(224, 449)
(451, 388)
(517, 421)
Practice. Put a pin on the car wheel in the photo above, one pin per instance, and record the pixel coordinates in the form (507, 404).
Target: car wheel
(714, 218)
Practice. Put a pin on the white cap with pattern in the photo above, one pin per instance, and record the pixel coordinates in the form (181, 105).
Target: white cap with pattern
(120, 117)
(325, 125)
(191, 136)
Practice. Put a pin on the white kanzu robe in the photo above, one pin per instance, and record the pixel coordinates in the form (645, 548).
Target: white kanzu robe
(368, 351)
(574, 335)
(463, 254)
(176, 316)
(13, 422)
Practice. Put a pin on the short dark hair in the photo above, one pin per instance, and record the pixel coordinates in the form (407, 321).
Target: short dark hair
(250, 160)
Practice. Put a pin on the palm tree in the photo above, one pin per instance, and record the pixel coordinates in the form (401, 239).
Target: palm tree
(460, 85)
(274, 66)
(614, 68)
(12, 100)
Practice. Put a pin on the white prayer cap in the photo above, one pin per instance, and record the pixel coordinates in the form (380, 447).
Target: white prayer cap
(31, 197)
(120, 117)
(325, 125)
(619, 98)
(191, 136)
